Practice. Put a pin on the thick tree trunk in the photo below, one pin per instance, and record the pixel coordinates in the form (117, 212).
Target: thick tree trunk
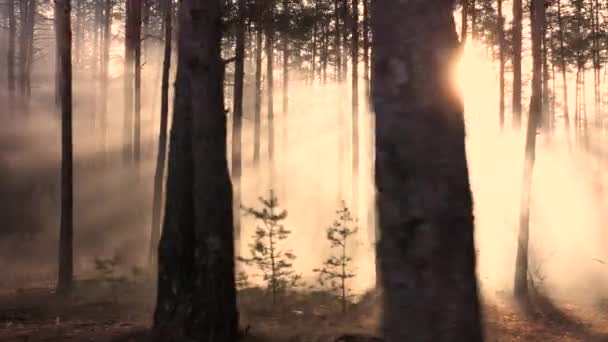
(536, 106)
(517, 32)
(159, 173)
(10, 56)
(237, 121)
(137, 21)
(501, 57)
(424, 196)
(355, 107)
(257, 115)
(64, 55)
(196, 287)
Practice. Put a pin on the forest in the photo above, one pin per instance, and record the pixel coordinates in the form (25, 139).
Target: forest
(303, 170)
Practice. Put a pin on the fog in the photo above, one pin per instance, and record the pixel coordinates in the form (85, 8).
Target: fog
(113, 200)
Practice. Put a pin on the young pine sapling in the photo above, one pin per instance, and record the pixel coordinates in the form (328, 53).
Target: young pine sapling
(336, 269)
(274, 262)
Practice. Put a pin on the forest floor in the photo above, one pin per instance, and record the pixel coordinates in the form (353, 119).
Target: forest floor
(102, 313)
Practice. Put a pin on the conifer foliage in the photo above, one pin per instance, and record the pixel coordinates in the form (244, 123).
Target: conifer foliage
(266, 251)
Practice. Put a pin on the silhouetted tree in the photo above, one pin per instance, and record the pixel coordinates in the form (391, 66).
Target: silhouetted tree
(424, 197)
(196, 283)
(64, 55)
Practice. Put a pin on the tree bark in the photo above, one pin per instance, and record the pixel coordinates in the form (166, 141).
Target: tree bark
(159, 173)
(66, 233)
(536, 107)
(517, 37)
(196, 287)
(424, 196)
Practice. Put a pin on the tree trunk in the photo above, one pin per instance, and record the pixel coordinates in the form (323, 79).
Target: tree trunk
(270, 86)
(464, 22)
(473, 12)
(137, 21)
(338, 41)
(366, 48)
(162, 136)
(128, 82)
(10, 56)
(537, 15)
(355, 107)
(285, 98)
(258, 98)
(237, 121)
(424, 196)
(517, 32)
(66, 233)
(196, 287)
(28, 53)
(564, 71)
(501, 57)
(105, 77)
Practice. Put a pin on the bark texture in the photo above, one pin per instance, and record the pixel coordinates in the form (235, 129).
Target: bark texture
(426, 248)
(196, 286)
(66, 232)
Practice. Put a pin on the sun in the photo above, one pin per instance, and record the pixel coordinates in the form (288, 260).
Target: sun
(476, 78)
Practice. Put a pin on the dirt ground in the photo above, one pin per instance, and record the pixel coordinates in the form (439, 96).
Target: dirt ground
(97, 312)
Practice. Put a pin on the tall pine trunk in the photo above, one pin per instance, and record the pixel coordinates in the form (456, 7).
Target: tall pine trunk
(355, 106)
(270, 86)
(285, 98)
(237, 122)
(137, 21)
(501, 57)
(159, 173)
(128, 76)
(366, 49)
(562, 61)
(105, 69)
(66, 233)
(517, 41)
(424, 195)
(10, 56)
(196, 298)
(257, 115)
(537, 15)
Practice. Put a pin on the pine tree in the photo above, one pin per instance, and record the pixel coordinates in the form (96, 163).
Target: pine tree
(266, 252)
(337, 268)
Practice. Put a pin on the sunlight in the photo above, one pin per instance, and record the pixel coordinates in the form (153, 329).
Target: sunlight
(478, 85)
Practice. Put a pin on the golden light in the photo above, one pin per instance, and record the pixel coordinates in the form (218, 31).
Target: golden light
(477, 82)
